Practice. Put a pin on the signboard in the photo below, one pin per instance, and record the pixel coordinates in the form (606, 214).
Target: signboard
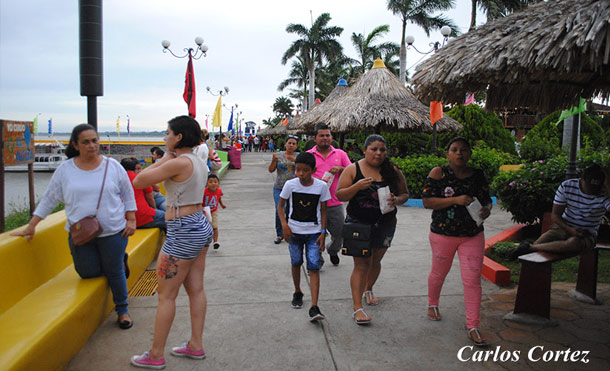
(18, 140)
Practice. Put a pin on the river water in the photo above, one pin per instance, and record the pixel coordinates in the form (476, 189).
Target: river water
(16, 189)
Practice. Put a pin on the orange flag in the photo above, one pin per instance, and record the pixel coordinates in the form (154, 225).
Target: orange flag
(436, 111)
(285, 122)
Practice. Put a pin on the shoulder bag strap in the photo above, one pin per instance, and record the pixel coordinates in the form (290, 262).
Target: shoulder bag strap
(102, 190)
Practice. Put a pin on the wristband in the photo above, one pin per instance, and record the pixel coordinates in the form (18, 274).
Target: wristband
(323, 231)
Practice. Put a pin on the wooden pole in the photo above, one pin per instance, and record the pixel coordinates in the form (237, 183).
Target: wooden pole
(31, 188)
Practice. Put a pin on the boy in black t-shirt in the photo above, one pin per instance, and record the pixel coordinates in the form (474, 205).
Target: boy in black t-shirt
(305, 227)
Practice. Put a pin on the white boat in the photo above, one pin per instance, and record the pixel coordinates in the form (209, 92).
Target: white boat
(48, 157)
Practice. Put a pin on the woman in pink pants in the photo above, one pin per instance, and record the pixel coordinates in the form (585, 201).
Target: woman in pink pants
(448, 191)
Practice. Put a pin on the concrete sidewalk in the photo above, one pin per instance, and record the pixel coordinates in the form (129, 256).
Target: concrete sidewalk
(250, 324)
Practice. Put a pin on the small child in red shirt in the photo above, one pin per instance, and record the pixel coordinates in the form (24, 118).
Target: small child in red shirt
(212, 197)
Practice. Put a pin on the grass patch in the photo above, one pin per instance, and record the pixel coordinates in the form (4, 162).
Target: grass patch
(22, 217)
(563, 271)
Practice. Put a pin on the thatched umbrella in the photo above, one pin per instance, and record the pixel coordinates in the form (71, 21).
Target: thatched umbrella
(305, 122)
(544, 57)
(280, 129)
(379, 101)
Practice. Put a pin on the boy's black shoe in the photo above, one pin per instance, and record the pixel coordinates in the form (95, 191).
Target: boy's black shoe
(297, 300)
(522, 249)
(216, 245)
(334, 259)
(315, 314)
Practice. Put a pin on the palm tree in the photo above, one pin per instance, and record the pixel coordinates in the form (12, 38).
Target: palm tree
(418, 12)
(283, 106)
(316, 43)
(366, 49)
(297, 76)
(330, 73)
(495, 9)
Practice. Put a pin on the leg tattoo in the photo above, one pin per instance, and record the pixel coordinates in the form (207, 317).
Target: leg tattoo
(168, 268)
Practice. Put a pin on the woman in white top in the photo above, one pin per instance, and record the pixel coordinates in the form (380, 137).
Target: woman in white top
(182, 257)
(77, 183)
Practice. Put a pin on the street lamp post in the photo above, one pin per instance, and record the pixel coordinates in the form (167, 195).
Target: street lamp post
(220, 93)
(434, 47)
(189, 84)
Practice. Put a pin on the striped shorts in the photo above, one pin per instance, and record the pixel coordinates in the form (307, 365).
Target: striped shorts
(187, 236)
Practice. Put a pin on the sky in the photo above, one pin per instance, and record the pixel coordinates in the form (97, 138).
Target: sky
(39, 56)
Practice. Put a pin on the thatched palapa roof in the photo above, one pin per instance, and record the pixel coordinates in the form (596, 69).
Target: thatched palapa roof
(377, 101)
(279, 129)
(544, 57)
(336, 93)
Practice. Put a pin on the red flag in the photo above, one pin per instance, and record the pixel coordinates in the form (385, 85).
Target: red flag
(189, 88)
(285, 122)
(436, 111)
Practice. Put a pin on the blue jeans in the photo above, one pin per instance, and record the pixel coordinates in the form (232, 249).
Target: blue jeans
(104, 256)
(159, 200)
(278, 223)
(296, 244)
(157, 222)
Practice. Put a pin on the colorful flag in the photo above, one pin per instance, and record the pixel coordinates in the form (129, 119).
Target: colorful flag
(118, 131)
(51, 125)
(469, 99)
(285, 122)
(206, 122)
(189, 88)
(217, 117)
(582, 107)
(35, 124)
(436, 111)
(230, 128)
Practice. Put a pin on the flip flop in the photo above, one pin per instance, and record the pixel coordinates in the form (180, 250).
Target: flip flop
(437, 314)
(366, 299)
(361, 321)
(476, 337)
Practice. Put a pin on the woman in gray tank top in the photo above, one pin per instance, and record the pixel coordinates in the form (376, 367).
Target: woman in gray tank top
(283, 162)
(182, 257)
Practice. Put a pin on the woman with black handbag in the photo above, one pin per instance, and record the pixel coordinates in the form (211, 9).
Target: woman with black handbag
(369, 216)
(90, 184)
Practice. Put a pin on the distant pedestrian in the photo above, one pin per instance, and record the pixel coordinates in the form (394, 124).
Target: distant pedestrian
(257, 143)
(304, 227)
(283, 163)
(182, 257)
(250, 142)
(330, 162)
(271, 145)
(448, 191)
(212, 198)
(360, 184)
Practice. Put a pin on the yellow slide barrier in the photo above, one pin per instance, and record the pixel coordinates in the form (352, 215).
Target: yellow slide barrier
(47, 312)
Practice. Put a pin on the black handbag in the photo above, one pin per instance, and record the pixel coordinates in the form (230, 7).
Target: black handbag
(356, 239)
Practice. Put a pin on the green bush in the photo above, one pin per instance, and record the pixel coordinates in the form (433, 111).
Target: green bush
(478, 124)
(545, 139)
(589, 156)
(534, 148)
(21, 217)
(416, 169)
(528, 192)
(489, 160)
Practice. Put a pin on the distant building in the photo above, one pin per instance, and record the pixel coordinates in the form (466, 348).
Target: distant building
(250, 128)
